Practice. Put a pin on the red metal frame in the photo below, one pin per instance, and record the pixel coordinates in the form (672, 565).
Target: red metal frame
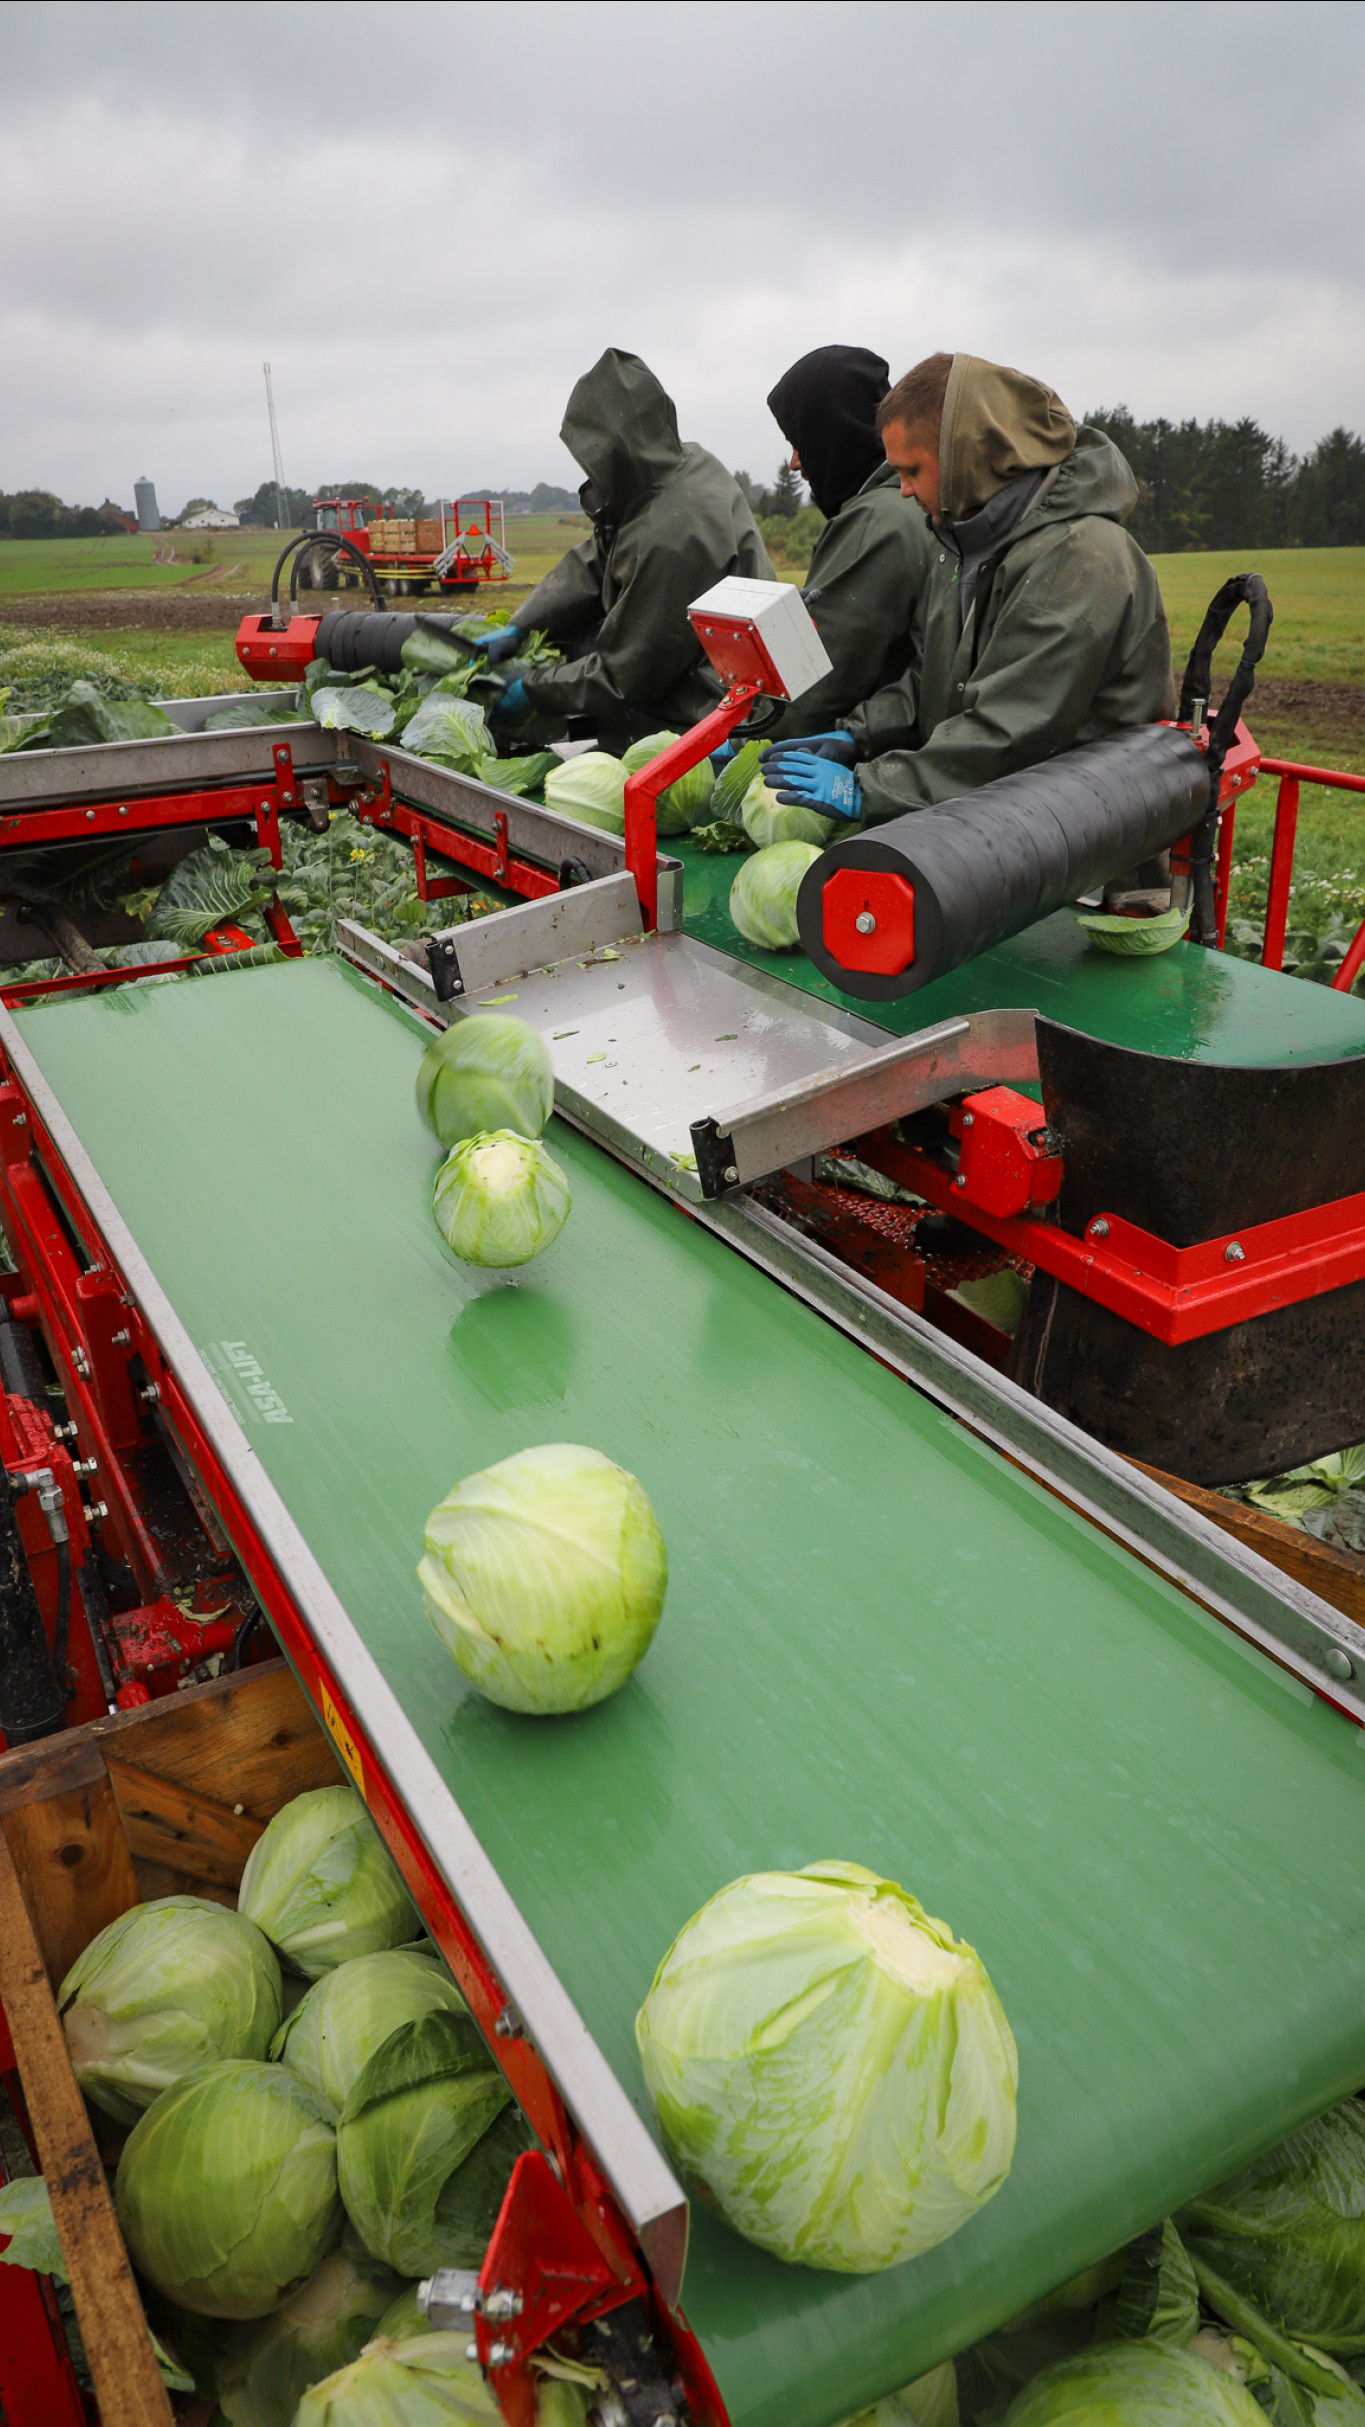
(643, 788)
(94, 1333)
(1292, 776)
(261, 803)
(37, 2379)
(377, 806)
(1174, 1293)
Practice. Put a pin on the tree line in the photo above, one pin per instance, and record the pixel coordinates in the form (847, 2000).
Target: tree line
(1215, 484)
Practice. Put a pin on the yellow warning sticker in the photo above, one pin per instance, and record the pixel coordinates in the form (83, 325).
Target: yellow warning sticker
(343, 1739)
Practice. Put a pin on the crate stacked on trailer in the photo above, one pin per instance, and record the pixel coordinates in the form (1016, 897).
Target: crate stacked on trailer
(457, 550)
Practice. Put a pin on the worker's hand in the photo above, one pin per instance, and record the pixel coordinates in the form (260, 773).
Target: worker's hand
(501, 644)
(815, 783)
(512, 707)
(841, 747)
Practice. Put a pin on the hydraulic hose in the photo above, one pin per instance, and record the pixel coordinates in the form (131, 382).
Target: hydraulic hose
(308, 539)
(1240, 589)
(61, 1643)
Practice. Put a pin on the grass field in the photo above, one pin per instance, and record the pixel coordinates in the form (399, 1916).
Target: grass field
(1319, 599)
(222, 561)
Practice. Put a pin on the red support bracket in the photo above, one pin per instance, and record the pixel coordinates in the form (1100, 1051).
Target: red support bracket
(1174, 1293)
(643, 789)
(542, 2269)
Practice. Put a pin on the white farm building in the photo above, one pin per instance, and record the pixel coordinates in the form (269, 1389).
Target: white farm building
(210, 518)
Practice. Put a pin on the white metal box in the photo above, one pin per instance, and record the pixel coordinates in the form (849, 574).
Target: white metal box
(760, 631)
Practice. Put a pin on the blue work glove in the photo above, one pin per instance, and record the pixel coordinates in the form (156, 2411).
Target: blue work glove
(841, 747)
(502, 644)
(513, 705)
(722, 757)
(815, 783)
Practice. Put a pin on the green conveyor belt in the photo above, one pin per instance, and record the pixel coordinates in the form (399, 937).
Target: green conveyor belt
(1198, 1005)
(882, 1642)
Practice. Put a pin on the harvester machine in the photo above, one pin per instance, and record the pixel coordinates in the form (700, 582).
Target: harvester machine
(952, 1598)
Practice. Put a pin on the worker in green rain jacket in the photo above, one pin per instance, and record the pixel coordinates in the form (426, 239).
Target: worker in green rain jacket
(668, 522)
(1043, 624)
(870, 565)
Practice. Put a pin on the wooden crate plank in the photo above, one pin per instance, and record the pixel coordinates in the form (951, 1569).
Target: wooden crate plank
(128, 2388)
(1336, 1576)
(53, 1766)
(252, 1738)
(77, 1873)
(165, 1821)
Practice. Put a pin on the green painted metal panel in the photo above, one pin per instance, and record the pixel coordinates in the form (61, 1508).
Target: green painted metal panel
(881, 1643)
(1200, 1005)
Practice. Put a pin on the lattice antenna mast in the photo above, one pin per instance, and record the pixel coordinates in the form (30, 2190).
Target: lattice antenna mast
(275, 451)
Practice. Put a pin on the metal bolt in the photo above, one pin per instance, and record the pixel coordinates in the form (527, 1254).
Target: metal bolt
(967, 1119)
(961, 1180)
(730, 1175)
(1234, 1253)
(80, 1360)
(1100, 1229)
(501, 2302)
(96, 1510)
(508, 2024)
(90, 814)
(1338, 1664)
(122, 811)
(85, 1466)
(121, 1339)
(21, 1120)
(500, 2353)
(865, 923)
(149, 1392)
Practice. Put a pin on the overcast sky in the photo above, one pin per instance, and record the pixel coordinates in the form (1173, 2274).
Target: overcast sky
(431, 216)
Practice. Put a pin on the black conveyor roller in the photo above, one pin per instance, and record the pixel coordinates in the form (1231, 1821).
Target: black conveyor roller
(986, 866)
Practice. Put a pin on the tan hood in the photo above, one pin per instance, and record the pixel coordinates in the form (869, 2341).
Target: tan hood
(996, 424)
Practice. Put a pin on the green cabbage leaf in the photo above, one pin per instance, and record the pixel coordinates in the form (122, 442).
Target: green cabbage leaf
(544, 1577)
(766, 820)
(320, 1885)
(348, 2014)
(1288, 2232)
(227, 2189)
(763, 895)
(266, 2369)
(1135, 2385)
(500, 1199)
(164, 1987)
(487, 1072)
(426, 2144)
(830, 2067)
(424, 2382)
(590, 787)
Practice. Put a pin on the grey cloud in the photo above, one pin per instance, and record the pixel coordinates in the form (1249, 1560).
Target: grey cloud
(431, 217)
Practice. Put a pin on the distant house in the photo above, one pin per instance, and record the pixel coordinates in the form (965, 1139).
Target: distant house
(209, 518)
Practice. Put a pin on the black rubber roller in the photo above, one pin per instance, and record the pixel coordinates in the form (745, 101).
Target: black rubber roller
(888, 911)
(351, 641)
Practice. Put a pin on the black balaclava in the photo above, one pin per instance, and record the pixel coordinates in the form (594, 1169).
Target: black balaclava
(826, 407)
